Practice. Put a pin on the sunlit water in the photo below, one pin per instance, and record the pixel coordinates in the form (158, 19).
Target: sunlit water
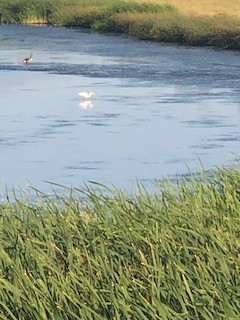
(157, 108)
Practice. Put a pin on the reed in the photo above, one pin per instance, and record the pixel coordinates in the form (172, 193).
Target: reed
(173, 254)
(22, 11)
(220, 31)
(149, 20)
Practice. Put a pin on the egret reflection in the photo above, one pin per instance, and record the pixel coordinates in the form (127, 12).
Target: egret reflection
(86, 104)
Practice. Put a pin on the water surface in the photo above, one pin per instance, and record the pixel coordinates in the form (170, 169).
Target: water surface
(157, 108)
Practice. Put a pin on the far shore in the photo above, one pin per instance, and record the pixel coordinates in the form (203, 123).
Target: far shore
(145, 19)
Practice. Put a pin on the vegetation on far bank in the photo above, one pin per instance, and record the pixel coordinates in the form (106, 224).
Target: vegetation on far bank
(173, 254)
(148, 20)
(202, 7)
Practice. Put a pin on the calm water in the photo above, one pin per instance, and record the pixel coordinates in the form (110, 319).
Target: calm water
(158, 108)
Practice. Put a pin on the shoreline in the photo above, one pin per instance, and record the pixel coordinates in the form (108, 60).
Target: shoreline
(143, 21)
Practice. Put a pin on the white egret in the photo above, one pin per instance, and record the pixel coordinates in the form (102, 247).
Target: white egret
(86, 104)
(28, 59)
(86, 95)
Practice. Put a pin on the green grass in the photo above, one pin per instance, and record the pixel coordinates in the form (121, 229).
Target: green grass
(173, 254)
(146, 21)
(64, 12)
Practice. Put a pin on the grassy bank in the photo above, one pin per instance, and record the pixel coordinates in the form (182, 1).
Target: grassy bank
(202, 7)
(155, 20)
(171, 255)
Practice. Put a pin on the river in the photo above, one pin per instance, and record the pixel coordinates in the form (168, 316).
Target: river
(158, 109)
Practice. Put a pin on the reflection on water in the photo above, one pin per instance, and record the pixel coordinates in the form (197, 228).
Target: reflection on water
(156, 109)
(86, 104)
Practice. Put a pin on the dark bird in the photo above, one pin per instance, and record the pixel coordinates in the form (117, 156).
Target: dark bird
(28, 59)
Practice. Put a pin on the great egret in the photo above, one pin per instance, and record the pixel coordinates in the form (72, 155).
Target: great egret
(28, 59)
(86, 95)
(86, 104)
